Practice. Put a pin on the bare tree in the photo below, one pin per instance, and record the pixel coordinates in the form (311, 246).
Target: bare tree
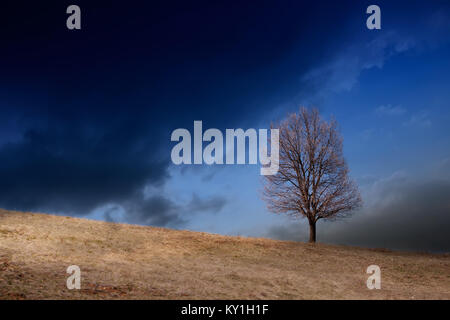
(313, 178)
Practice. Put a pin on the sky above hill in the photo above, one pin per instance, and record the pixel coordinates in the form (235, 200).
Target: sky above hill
(86, 115)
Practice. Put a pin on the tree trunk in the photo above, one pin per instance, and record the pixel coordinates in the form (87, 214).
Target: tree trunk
(312, 231)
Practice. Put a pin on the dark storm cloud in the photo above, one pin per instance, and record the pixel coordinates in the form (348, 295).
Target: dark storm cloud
(210, 204)
(401, 214)
(160, 210)
(68, 170)
(184, 60)
(86, 116)
(155, 210)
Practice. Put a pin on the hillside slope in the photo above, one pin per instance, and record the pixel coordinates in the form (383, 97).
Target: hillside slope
(136, 262)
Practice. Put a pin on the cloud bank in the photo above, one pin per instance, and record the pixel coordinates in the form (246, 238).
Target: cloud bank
(400, 213)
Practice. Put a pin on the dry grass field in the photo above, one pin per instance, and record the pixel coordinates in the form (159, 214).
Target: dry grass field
(120, 261)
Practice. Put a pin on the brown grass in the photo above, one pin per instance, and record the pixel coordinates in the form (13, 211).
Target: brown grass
(121, 261)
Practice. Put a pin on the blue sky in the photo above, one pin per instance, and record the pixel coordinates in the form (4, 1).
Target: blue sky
(86, 115)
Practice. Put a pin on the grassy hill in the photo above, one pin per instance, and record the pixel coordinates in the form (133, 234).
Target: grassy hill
(136, 262)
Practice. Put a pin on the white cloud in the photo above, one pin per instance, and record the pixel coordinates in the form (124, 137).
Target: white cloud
(343, 70)
(420, 119)
(390, 110)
